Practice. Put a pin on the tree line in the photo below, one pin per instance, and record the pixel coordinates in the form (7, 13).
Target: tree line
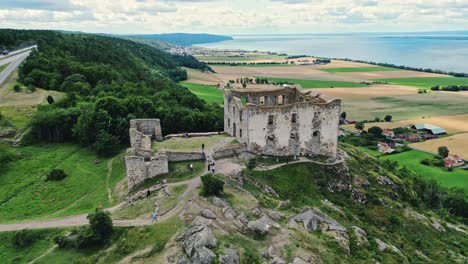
(108, 81)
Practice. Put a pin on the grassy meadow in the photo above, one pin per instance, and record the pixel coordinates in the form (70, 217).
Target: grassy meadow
(412, 159)
(2, 67)
(427, 82)
(208, 93)
(316, 83)
(188, 144)
(25, 194)
(359, 69)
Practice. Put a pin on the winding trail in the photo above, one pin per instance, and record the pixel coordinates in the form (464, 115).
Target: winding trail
(80, 220)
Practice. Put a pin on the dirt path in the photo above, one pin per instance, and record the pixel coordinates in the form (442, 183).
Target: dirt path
(44, 254)
(301, 160)
(79, 220)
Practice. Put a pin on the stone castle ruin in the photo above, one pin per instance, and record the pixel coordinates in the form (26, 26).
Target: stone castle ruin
(282, 121)
(141, 161)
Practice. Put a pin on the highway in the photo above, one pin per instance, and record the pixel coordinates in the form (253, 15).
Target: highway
(14, 62)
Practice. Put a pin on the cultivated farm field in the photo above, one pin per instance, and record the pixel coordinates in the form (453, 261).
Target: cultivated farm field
(457, 144)
(359, 69)
(427, 82)
(208, 93)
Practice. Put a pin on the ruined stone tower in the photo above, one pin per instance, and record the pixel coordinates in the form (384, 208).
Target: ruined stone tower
(282, 121)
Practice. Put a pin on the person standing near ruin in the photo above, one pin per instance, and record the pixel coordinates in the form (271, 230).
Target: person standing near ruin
(154, 217)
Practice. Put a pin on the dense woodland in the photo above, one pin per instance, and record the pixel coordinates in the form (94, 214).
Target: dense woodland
(108, 81)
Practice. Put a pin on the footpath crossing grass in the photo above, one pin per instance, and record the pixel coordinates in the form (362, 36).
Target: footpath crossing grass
(427, 82)
(208, 93)
(411, 159)
(359, 69)
(316, 83)
(25, 194)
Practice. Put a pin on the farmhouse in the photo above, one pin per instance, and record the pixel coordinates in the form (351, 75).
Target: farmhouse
(429, 129)
(282, 121)
(410, 137)
(453, 161)
(384, 147)
(388, 133)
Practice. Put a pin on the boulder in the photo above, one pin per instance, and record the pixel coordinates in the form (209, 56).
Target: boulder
(299, 261)
(196, 238)
(203, 255)
(275, 215)
(384, 180)
(208, 214)
(292, 223)
(218, 202)
(229, 213)
(268, 253)
(358, 196)
(183, 260)
(257, 211)
(277, 260)
(386, 247)
(262, 225)
(284, 204)
(241, 218)
(361, 235)
(268, 190)
(231, 256)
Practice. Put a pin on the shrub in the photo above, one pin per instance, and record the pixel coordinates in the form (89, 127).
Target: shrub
(426, 162)
(23, 238)
(251, 164)
(388, 118)
(212, 185)
(106, 144)
(17, 88)
(56, 175)
(101, 225)
(443, 151)
(31, 88)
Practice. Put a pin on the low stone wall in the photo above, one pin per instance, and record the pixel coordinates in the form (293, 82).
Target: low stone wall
(182, 156)
(229, 151)
(138, 170)
(201, 134)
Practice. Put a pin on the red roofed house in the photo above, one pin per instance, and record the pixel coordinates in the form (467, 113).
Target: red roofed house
(388, 133)
(453, 161)
(411, 137)
(384, 147)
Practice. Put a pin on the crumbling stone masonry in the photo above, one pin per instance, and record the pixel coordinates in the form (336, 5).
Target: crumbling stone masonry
(141, 161)
(282, 121)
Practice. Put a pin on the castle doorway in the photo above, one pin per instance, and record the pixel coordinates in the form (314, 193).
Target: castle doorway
(315, 146)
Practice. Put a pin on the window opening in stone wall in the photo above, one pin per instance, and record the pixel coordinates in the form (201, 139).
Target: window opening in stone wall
(315, 133)
(240, 115)
(294, 118)
(240, 132)
(270, 119)
(234, 129)
(229, 122)
(280, 99)
(262, 100)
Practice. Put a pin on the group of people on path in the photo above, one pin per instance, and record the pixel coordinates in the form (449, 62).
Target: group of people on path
(211, 164)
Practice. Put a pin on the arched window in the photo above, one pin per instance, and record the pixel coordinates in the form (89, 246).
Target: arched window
(229, 122)
(240, 115)
(233, 111)
(234, 129)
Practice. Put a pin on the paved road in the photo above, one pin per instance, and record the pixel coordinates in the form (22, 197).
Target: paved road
(14, 62)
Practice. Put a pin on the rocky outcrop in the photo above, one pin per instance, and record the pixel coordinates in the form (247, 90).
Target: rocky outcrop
(358, 196)
(262, 225)
(299, 261)
(229, 213)
(208, 214)
(197, 242)
(277, 260)
(384, 180)
(219, 202)
(275, 215)
(386, 247)
(361, 235)
(231, 256)
(257, 212)
(242, 219)
(313, 219)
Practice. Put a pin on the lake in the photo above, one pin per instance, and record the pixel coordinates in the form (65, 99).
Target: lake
(447, 51)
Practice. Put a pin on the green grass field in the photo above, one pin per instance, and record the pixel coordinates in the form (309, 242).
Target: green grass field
(316, 83)
(427, 82)
(25, 194)
(208, 93)
(188, 144)
(411, 159)
(19, 116)
(359, 69)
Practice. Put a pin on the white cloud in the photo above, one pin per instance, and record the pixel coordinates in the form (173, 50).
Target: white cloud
(235, 16)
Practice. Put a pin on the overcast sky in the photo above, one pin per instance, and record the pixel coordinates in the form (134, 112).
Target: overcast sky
(235, 16)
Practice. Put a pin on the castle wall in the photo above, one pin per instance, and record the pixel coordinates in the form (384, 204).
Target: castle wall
(268, 128)
(182, 156)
